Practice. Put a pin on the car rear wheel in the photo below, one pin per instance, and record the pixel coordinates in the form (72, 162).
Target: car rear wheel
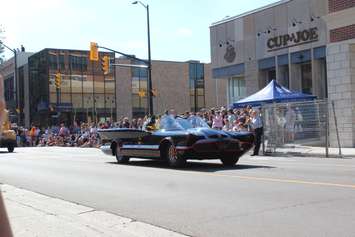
(121, 159)
(11, 148)
(175, 160)
(229, 160)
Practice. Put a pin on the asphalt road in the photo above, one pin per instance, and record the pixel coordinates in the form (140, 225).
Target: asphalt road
(261, 196)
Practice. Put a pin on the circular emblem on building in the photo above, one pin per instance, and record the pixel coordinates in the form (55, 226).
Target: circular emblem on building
(230, 54)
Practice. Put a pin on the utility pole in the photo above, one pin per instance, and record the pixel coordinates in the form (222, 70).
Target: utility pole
(149, 79)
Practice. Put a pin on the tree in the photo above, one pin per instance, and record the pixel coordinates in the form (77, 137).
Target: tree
(2, 56)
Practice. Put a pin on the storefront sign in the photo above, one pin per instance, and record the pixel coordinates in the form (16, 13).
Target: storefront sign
(293, 39)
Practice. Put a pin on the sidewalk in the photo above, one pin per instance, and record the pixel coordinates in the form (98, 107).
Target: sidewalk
(33, 214)
(311, 151)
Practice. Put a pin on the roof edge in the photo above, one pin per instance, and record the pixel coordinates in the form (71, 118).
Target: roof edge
(250, 12)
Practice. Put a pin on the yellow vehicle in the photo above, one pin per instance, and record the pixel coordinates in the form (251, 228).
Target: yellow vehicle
(7, 136)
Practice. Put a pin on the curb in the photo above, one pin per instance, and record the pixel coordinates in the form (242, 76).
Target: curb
(34, 214)
(313, 155)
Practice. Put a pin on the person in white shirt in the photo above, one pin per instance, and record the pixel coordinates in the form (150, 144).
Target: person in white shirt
(257, 126)
(290, 120)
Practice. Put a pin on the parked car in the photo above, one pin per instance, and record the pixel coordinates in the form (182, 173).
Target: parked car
(176, 141)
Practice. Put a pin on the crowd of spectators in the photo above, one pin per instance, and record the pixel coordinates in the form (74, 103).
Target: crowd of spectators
(85, 134)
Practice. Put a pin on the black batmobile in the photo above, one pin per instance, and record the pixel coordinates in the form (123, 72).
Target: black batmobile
(176, 140)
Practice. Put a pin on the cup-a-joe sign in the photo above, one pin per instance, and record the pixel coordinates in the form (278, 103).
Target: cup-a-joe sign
(293, 39)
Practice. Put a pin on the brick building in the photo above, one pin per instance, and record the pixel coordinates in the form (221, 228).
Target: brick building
(306, 45)
(184, 86)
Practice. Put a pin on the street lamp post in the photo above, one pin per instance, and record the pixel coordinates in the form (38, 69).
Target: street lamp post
(15, 81)
(149, 79)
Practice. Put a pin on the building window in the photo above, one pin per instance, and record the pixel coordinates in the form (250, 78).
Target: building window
(53, 61)
(61, 62)
(197, 86)
(306, 77)
(9, 89)
(139, 92)
(78, 63)
(284, 78)
(236, 89)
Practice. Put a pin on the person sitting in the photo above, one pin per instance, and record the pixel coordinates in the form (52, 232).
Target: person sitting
(150, 124)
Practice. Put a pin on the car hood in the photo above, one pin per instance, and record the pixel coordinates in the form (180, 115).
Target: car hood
(208, 132)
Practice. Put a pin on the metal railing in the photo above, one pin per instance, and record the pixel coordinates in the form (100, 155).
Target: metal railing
(288, 127)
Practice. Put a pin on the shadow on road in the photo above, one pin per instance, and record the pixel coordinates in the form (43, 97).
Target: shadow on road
(6, 152)
(193, 166)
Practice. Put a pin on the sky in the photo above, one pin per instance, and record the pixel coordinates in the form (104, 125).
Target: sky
(179, 28)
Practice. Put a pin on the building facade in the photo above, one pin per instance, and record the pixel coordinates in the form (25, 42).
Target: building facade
(16, 92)
(86, 94)
(306, 45)
(183, 86)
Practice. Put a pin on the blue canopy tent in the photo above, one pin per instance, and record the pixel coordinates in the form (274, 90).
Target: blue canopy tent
(273, 93)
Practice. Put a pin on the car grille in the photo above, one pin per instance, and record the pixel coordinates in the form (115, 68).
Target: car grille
(217, 136)
(216, 146)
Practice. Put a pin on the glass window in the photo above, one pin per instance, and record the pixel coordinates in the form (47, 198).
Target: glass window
(9, 88)
(65, 86)
(99, 84)
(236, 89)
(197, 86)
(139, 84)
(53, 61)
(284, 76)
(61, 62)
(88, 100)
(306, 74)
(65, 98)
(77, 100)
(100, 101)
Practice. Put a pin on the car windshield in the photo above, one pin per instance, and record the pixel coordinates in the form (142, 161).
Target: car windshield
(184, 123)
(170, 123)
(197, 122)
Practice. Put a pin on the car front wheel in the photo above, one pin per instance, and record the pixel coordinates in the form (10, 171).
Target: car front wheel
(175, 160)
(10, 149)
(121, 159)
(229, 160)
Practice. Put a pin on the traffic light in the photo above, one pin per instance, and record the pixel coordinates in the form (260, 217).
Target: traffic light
(94, 52)
(141, 93)
(105, 64)
(58, 80)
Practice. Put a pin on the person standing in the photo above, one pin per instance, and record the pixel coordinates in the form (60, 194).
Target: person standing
(290, 118)
(217, 121)
(257, 125)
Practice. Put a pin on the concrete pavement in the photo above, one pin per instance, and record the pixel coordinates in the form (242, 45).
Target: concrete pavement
(311, 151)
(37, 215)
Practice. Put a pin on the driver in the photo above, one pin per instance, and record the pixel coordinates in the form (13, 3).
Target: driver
(151, 124)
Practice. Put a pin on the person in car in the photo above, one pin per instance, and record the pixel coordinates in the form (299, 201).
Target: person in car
(150, 124)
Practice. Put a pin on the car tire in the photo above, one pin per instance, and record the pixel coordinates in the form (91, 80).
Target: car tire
(10, 148)
(119, 157)
(175, 160)
(229, 160)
